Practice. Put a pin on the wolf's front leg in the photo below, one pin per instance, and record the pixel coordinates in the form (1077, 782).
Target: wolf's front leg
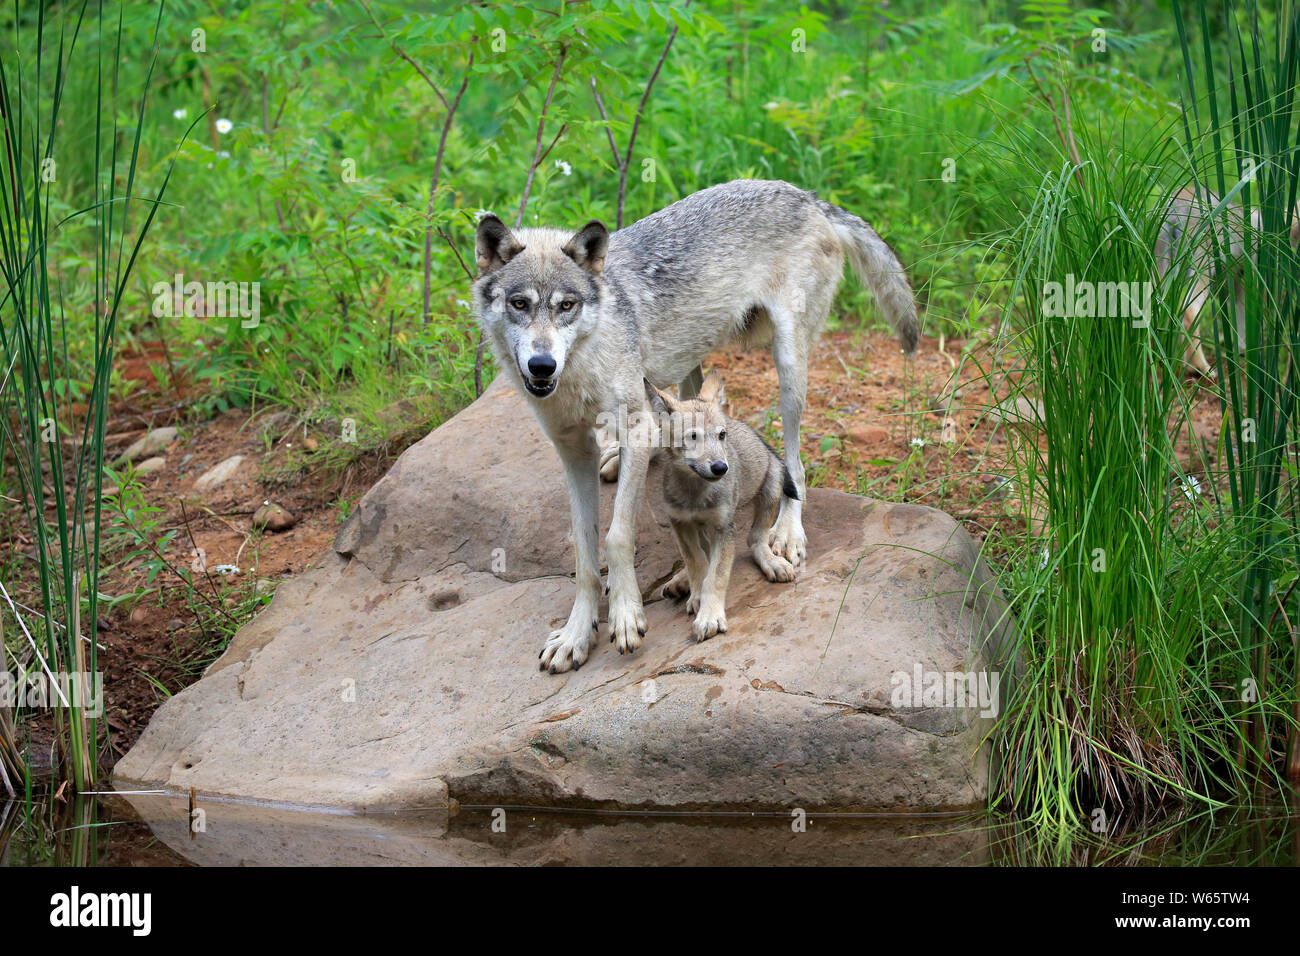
(626, 618)
(568, 646)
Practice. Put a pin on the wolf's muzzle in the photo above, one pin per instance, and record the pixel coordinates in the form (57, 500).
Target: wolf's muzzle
(539, 378)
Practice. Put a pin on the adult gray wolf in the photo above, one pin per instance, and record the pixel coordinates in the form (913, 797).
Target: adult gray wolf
(577, 320)
(1185, 241)
(716, 465)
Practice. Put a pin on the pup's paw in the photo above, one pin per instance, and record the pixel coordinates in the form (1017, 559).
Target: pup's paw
(709, 621)
(609, 463)
(566, 648)
(775, 567)
(626, 625)
(788, 541)
(679, 586)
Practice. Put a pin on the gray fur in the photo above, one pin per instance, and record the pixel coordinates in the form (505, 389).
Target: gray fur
(1189, 230)
(702, 507)
(744, 261)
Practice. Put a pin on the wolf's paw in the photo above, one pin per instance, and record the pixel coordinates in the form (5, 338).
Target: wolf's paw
(566, 648)
(693, 603)
(774, 567)
(788, 541)
(626, 625)
(609, 463)
(709, 621)
(679, 586)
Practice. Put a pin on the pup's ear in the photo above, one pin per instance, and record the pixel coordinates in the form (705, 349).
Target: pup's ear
(494, 245)
(588, 245)
(711, 389)
(660, 403)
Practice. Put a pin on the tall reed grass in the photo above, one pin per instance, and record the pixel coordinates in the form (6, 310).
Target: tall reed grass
(51, 447)
(1153, 602)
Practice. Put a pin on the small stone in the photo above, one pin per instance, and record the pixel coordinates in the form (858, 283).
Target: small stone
(150, 465)
(310, 444)
(155, 440)
(139, 614)
(272, 517)
(218, 474)
(869, 434)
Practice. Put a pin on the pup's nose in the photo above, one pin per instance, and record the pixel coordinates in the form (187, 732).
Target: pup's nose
(719, 468)
(541, 366)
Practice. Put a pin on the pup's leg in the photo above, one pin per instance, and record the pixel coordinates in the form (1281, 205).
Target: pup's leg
(688, 580)
(1194, 355)
(568, 646)
(766, 505)
(790, 350)
(626, 618)
(711, 618)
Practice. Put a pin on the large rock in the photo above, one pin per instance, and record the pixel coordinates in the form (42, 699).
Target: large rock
(401, 670)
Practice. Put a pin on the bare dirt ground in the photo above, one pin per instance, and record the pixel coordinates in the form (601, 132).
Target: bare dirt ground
(933, 430)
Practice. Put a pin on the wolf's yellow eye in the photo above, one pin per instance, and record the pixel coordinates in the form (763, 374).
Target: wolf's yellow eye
(567, 305)
(519, 303)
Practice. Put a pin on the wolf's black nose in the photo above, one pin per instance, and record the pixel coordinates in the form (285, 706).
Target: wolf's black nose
(719, 468)
(541, 366)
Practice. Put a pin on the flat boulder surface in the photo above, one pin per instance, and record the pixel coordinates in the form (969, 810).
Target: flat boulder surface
(401, 670)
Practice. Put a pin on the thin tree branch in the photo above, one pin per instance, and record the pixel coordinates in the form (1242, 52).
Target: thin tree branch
(541, 128)
(433, 188)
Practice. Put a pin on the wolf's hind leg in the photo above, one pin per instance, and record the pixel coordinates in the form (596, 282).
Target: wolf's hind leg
(766, 505)
(790, 350)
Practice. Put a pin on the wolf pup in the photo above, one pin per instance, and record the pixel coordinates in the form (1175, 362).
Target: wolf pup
(716, 465)
(577, 320)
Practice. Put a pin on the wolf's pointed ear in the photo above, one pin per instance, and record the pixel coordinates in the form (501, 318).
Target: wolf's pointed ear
(494, 245)
(711, 389)
(660, 403)
(588, 245)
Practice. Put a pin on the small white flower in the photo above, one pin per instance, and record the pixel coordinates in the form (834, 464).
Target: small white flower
(918, 442)
(224, 125)
(223, 154)
(773, 104)
(180, 113)
(462, 303)
(1042, 560)
(564, 167)
(1191, 487)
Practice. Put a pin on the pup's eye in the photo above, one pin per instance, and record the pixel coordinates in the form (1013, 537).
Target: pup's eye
(692, 435)
(722, 436)
(567, 305)
(519, 302)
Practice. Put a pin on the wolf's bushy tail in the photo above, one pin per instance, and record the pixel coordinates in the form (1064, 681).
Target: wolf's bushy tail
(877, 265)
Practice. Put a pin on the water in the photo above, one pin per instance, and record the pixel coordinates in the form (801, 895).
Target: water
(153, 830)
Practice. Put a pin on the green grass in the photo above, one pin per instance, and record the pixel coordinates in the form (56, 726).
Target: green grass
(48, 452)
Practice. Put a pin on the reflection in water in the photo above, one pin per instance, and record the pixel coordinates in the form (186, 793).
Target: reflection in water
(155, 830)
